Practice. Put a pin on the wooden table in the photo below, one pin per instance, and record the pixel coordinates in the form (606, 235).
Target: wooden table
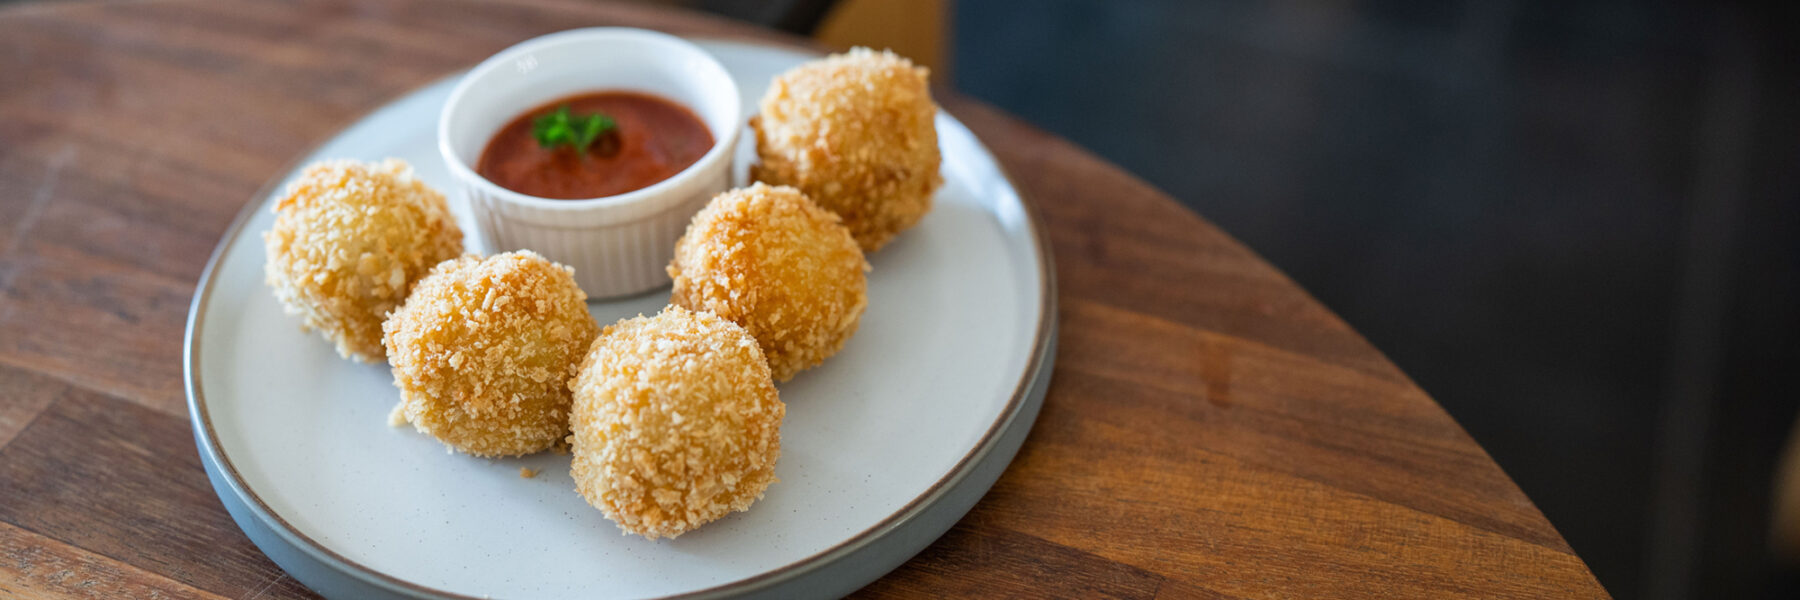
(1212, 431)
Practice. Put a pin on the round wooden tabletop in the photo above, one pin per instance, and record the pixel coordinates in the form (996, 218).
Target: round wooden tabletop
(1211, 430)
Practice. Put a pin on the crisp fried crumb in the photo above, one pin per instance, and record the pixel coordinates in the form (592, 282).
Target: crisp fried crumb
(676, 422)
(483, 349)
(771, 260)
(855, 131)
(527, 473)
(349, 240)
(397, 416)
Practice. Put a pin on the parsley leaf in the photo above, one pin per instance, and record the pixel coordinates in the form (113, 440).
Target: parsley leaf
(559, 128)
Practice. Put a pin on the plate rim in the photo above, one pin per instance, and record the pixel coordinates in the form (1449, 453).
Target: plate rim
(214, 456)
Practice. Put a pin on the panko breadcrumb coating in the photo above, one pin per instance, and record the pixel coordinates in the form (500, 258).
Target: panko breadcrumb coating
(349, 239)
(483, 351)
(855, 132)
(676, 422)
(771, 260)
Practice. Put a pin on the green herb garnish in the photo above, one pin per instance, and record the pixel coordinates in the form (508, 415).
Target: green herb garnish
(562, 129)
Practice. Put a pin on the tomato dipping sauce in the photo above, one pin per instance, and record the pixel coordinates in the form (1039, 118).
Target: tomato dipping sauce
(652, 139)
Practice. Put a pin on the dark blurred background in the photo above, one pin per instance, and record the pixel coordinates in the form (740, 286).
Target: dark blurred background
(1573, 223)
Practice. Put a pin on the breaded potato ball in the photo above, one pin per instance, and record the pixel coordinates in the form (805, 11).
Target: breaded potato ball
(349, 239)
(855, 132)
(483, 350)
(676, 422)
(771, 260)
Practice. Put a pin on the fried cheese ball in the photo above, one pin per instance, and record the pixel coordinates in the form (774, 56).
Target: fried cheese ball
(771, 260)
(483, 350)
(676, 422)
(349, 239)
(855, 132)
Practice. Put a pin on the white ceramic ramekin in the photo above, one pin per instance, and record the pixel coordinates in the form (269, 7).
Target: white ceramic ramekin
(618, 244)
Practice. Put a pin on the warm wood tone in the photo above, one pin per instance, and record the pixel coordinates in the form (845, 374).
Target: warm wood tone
(40, 567)
(914, 28)
(1212, 431)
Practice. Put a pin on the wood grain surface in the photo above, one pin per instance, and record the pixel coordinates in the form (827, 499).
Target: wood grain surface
(1211, 432)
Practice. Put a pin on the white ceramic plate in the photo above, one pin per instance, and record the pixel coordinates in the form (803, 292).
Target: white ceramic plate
(885, 446)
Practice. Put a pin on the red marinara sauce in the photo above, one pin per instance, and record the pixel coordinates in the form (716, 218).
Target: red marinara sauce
(652, 139)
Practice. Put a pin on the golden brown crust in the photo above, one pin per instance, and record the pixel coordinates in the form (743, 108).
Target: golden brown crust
(348, 241)
(774, 262)
(483, 349)
(855, 132)
(676, 422)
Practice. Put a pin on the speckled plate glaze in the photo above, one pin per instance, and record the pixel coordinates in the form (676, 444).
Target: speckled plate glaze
(885, 446)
